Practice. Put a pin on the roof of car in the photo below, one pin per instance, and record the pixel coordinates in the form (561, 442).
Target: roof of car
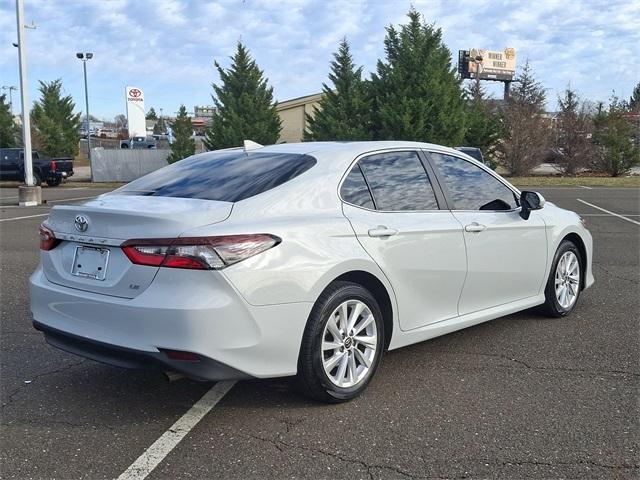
(335, 154)
(326, 150)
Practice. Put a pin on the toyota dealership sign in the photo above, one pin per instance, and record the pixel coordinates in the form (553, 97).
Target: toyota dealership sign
(135, 112)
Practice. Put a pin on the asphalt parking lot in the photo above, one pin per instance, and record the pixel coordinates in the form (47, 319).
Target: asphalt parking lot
(523, 396)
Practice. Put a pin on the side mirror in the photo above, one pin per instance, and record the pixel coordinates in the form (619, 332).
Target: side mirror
(530, 201)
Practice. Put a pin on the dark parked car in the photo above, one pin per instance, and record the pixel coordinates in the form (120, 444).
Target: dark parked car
(49, 170)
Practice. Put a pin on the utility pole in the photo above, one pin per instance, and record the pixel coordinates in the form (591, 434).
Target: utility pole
(10, 88)
(31, 194)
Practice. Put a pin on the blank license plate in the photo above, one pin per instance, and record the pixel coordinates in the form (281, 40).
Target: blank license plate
(90, 262)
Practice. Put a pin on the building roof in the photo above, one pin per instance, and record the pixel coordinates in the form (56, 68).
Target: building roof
(296, 102)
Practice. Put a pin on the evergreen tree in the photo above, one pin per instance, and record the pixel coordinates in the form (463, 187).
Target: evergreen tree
(244, 106)
(344, 110)
(8, 128)
(634, 101)
(614, 132)
(183, 145)
(160, 127)
(573, 134)
(526, 133)
(483, 124)
(151, 114)
(417, 93)
(55, 124)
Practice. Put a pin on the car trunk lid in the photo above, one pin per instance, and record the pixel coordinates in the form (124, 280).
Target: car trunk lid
(89, 256)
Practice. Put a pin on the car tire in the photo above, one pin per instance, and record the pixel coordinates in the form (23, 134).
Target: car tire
(330, 369)
(54, 182)
(565, 280)
(37, 181)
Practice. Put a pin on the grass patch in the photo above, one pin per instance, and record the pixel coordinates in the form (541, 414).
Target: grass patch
(92, 185)
(543, 181)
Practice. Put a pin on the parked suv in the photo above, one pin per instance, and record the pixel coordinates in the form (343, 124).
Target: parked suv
(50, 170)
(139, 142)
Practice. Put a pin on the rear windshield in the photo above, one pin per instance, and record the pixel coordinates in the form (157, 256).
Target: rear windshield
(224, 176)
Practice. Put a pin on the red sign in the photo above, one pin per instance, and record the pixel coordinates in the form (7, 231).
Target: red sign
(135, 93)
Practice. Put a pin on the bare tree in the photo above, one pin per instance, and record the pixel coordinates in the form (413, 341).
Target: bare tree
(526, 132)
(574, 131)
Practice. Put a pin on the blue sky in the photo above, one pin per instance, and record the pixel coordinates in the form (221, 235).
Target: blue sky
(167, 47)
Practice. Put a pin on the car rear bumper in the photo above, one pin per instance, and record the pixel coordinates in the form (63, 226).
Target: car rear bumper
(188, 311)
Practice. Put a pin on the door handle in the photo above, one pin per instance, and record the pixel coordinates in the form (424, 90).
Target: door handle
(474, 227)
(382, 231)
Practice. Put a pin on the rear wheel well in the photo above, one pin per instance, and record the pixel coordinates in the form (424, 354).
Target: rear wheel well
(577, 241)
(379, 292)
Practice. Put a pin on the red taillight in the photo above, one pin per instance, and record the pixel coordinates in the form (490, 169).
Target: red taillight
(48, 240)
(54, 166)
(198, 253)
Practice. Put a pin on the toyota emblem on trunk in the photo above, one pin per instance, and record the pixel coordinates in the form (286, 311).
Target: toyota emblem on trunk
(81, 223)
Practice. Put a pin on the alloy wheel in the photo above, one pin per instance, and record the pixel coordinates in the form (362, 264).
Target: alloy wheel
(349, 344)
(567, 280)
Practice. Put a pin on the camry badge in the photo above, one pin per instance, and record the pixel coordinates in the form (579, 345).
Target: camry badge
(81, 223)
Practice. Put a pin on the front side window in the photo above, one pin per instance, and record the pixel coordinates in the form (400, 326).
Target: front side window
(472, 188)
(398, 181)
(226, 176)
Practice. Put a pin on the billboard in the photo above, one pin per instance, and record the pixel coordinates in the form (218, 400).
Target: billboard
(135, 112)
(495, 64)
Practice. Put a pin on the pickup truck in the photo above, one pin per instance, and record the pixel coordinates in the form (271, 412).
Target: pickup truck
(49, 170)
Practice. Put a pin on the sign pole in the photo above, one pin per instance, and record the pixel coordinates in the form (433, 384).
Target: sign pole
(507, 90)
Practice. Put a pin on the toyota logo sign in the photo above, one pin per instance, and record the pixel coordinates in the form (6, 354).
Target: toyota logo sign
(81, 223)
(135, 93)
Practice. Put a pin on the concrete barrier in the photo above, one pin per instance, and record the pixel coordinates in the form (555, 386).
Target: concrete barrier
(125, 165)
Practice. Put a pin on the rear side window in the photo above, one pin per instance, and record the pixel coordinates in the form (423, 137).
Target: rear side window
(472, 188)
(224, 176)
(398, 181)
(355, 191)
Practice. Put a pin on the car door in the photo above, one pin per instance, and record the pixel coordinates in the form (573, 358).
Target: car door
(506, 255)
(395, 212)
(10, 164)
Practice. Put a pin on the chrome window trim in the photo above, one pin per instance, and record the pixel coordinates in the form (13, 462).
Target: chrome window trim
(415, 150)
(473, 161)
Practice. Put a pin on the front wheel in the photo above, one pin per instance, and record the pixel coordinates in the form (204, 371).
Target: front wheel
(565, 279)
(342, 344)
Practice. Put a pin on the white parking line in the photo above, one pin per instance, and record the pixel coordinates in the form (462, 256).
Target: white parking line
(22, 218)
(153, 455)
(584, 186)
(607, 215)
(608, 211)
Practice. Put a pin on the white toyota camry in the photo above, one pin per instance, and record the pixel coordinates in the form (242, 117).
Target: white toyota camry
(306, 259)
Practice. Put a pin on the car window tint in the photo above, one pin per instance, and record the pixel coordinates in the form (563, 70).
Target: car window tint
(398, 181)
(472, 188)
(355, 191)
(228, 176)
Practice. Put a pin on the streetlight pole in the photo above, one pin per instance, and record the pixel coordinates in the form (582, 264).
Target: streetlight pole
(85, 57)
(10, 88)
(31, 194)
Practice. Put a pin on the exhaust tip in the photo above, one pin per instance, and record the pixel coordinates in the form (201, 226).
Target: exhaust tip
(173, 376)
